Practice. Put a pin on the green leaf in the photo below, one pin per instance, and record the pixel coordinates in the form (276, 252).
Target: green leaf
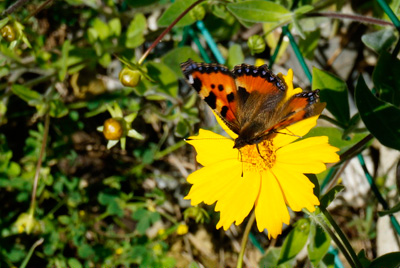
(295, 241)
(365, 262)
(386, 78)
(334, 93)
(85, 251)
(309, 44)
(165, 80)
(270, 259)
(112, 202)
(64, 58)
(176, 56)
(74, 263)
(235, 56)
(259, 11)
(4, 22)
(313, 178)
(379, 41)
(26, 94)
(101, 28)
(134, 33)
(390, 260)
(140, 3)
(303, 10)
(145, 219)
(174, 11)
(330, 196)
(393, 210)
(115, 27)
(381, 118)
(319, 244)
(58, 109)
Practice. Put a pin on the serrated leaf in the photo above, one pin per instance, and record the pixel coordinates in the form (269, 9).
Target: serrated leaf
(386, 78)
(176, 56)
(390, 260)
(334, 93)
(381, 118)
(295, 241)
(330, 196)
(379, 41)
(259, 11)
(173, 12)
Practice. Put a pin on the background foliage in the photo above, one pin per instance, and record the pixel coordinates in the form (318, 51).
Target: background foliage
(97, 206)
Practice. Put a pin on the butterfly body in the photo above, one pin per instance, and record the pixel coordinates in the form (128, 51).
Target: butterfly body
(250, 100)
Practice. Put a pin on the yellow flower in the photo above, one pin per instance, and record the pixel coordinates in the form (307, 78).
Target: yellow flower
(119, 251)
(182, 229)
(239, 182)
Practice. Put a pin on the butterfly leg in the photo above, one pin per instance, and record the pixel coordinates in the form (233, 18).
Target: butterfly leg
(258, 150)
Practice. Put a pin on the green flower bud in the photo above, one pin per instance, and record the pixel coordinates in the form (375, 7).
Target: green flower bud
(129, 77)
(8, 33)
(256, 44)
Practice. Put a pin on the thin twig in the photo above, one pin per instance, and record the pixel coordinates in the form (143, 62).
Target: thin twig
(353, 17)
(144, 56)
(13, 7)
(40, 159)
(38, 9)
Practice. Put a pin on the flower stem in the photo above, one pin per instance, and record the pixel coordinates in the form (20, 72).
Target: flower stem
(144, 56)
(343, 238)
(244, 240)
(39, 163)
(353, 17)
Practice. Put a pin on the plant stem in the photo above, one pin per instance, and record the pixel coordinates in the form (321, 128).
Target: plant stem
(354, 150)
(39, 163)
(13, 7)
(343, 238)
(331, 120)
(359, 18)
(29, 255)
(244, 240)
(144, 56)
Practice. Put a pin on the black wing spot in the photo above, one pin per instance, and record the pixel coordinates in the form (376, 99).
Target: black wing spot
(224, 111)
(212, 86)
(197, 84)
(230, 97)
(243, 94)
(211, 100)
(220, 87)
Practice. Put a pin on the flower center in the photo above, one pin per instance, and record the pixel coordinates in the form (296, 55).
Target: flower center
(261, 159)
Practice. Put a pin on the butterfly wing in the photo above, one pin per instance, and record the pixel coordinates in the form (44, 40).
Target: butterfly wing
(216, 86)
(259, 94)
(300, 106)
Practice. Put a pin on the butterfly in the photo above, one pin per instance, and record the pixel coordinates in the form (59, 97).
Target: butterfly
(249, 99)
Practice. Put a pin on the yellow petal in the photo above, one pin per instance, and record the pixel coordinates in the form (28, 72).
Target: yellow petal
(237, 203)
(212, 148)
(288, 78)
(232, 134)
(271, 211)
(308, 152)
(293, 132)
(213, 182)
(297, 189)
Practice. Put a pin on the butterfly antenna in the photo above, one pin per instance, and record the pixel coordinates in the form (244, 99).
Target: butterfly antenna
(291, 133)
